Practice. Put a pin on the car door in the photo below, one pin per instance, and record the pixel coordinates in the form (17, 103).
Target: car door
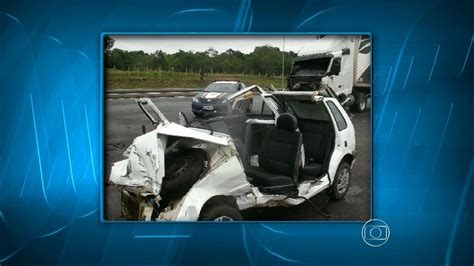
(344, 134)
(151, 111)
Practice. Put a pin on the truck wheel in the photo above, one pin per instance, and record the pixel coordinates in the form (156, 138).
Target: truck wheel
(341, 182)
(360, 103)
(220, 209)
(182, 170)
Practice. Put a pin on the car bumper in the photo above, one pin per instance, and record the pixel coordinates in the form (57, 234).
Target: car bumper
(203, 108)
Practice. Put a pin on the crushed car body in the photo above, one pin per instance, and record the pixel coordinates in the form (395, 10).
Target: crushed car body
(212, 169)
(144, 166)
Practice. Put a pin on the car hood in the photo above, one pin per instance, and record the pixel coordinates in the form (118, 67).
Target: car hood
(211, 95)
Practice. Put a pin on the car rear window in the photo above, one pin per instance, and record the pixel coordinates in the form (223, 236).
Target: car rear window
(309, 110)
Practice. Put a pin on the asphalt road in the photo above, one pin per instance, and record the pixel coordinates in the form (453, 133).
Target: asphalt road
(124, 120)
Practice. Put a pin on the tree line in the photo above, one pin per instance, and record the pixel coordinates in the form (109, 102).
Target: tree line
(264, 60)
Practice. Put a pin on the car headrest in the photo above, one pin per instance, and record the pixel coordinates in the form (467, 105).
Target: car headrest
(287, 122)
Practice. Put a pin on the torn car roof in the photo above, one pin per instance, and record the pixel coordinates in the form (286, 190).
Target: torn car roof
(173, 129)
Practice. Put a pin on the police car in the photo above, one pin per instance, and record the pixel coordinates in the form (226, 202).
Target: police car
(213, 100)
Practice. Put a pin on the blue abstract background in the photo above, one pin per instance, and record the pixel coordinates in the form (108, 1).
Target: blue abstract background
(50, 175)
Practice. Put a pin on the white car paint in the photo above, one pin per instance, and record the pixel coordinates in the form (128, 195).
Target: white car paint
(144, 164)
(212, 95)
(227, 178)
(342, 137)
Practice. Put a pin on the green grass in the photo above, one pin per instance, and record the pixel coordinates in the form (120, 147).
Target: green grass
(117, 79)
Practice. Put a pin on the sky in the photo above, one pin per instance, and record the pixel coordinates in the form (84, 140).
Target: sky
(221, 43)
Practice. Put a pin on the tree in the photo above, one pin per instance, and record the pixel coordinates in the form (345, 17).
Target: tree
(159, 60)
(264, 59)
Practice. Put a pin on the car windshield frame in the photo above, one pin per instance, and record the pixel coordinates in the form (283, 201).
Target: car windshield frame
(274, 104)
(226, 87)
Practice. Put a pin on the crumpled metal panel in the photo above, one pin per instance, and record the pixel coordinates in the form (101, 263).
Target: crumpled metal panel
(225, 178)
(145, 163)
(144, 166)
(173, 129)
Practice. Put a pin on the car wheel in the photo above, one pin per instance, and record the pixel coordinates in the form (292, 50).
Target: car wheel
(360, 103)
(182, 170)
(341, 182)
(220, 209)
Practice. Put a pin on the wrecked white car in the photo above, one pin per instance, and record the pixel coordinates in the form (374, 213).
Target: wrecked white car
(288, 148)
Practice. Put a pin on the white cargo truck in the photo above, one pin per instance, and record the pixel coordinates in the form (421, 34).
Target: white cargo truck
(341, 63)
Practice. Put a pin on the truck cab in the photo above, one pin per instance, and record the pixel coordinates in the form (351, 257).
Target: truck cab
(344, 68)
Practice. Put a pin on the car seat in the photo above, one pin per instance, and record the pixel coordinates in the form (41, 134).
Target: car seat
(278, 157)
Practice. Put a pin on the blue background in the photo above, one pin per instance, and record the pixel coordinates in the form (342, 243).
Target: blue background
(423, 163)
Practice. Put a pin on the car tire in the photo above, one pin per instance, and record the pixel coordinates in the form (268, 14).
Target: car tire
(220, 209)
(182, 170)
(360, 103)
(341, 182)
